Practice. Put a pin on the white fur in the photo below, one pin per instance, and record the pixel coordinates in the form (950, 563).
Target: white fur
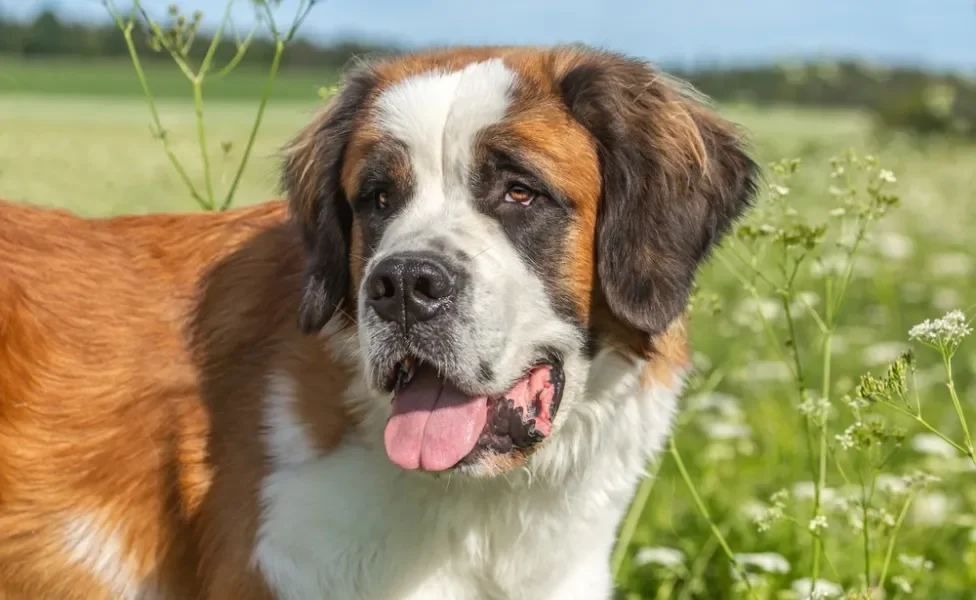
(93, 546)
(351, 525)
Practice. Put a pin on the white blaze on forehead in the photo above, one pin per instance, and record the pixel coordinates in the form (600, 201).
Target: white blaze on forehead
(438, 115)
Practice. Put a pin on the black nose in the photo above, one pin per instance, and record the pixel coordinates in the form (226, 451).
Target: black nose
(410, 288)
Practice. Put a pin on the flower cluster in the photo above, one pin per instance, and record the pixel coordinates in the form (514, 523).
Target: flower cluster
(943, 334)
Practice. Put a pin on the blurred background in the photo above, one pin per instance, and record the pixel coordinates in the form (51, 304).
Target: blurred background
(871, 103)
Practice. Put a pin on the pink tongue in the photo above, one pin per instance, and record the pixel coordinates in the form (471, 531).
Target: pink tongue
(434, 425)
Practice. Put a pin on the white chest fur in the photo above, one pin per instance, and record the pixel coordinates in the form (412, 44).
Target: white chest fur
(351, 525)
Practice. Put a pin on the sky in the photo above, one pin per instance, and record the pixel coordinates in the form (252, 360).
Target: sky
(933, 33)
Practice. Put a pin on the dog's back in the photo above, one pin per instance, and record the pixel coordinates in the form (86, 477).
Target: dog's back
(99, 410)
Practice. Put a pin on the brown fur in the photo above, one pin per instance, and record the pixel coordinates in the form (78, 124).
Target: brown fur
(134, 352)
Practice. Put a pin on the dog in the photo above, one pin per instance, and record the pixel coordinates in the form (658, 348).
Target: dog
(436, 368)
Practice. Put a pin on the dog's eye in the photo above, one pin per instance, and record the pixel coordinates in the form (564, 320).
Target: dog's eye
(381, 200)
(520, 194)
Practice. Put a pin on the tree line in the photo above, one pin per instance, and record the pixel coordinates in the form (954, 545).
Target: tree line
(905, 98)
(48, 36)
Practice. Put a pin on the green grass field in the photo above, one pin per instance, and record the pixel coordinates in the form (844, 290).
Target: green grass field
(101, 77)
(746, 431)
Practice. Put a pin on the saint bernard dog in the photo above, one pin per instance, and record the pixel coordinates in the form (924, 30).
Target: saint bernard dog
(436, 371)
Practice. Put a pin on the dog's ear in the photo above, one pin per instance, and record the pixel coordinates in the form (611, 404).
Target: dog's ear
(675, 177)
(317, 201)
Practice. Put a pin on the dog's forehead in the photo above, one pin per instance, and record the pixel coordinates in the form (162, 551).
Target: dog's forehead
(438, 115)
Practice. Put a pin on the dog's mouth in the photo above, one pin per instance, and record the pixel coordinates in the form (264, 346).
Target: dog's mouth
(434, 426)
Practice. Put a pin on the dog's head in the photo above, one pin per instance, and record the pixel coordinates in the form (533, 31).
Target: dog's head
(490, 219)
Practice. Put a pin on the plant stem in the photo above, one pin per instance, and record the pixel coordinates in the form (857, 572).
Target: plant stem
(202, 139)
(268, 86)
(698, 566)
(918, 419)
(629, 526)
(126, 29)
(891, 542)
(197, 81)
(822, 478)
(239, 55)
(704, 511)
(947, 362)
(865, 501)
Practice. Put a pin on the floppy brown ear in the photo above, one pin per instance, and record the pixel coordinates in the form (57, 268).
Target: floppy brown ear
(675, 177)
(312, 181)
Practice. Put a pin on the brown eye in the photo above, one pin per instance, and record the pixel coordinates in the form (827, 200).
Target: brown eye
(382, 202)
(520, 194)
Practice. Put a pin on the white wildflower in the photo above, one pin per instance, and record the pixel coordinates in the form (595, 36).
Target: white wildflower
(808, 590)
(891, 484)
(815, 407)
(752, 313)
(669, 558)
(829, 266)
(838, 212)
(846, 439)
(915, 563)
(817, 524)
(919, 479)
(773, 513)
(770, 562)
(807, 490)
(779, 190)
(902, 584)
(721, 430)
(763, 371)
(804, 301)
(886, 176)
(855, 403)
(884, 517)
(929, 443)
(945, 332)
(895, 246)
(932, 508)
(753, 510)
(725, 405)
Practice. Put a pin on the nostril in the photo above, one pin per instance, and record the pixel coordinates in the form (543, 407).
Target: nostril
(380, 287)
(427, 288)
(433, 283)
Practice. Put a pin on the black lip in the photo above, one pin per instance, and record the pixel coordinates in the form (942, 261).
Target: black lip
(509, 432)
(558, 378)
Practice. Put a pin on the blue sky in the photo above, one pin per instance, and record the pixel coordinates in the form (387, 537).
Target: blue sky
(940, 33)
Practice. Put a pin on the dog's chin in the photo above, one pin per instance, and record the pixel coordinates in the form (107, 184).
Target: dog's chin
(438, 424)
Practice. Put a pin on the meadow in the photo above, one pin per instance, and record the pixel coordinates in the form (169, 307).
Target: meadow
(806, 470)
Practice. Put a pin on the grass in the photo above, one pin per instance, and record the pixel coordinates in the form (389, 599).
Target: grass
(99, 156)
(111, 77)
(741, 436)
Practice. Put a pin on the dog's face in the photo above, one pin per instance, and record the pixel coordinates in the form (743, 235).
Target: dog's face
(490, 219)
